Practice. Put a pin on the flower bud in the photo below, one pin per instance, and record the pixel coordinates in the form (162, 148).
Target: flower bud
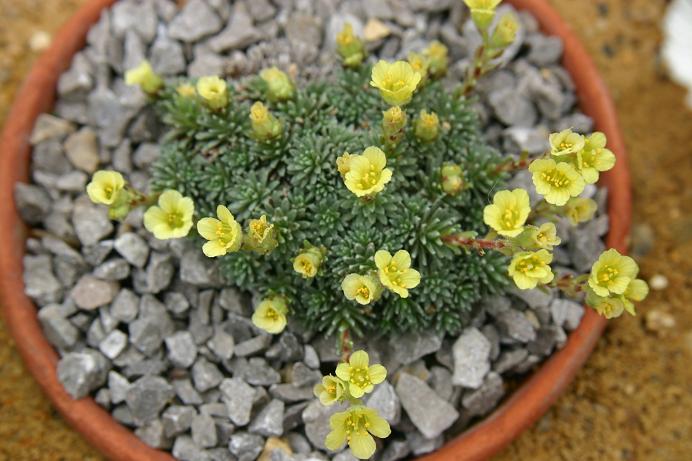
(144, 76)
(264, 125)
(438, 61)
(350, 47)
(420, 64)
(393, 123)
(505, 32)
(308, 262)
(452, 178)
(482, 12)
(427, 126)
(279, 85)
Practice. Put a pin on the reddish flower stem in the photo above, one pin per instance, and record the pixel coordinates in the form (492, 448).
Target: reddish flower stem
(478, 244)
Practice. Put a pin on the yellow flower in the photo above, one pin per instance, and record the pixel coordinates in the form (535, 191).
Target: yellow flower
(605, 306)
(529, 269)
(556, 182)
(396, 81)
(308, 262)
(436, 53)
(360, 376)
(427, 126)
(420, 64)
(357, 425)
(224, 234)
(395, 272)
(566, 142)
(393, 123)
(186, 90)
(330, 391)
(144, 76)
(343, 163)
(482, 11)
(580, 209)
(505, 32)
(172, 218)
(367, 174)
(612, 273)
(452, 178)
(261, 235)
(544, 236)
(363, 289)
(213, 91)
(508, 212)
(279, 85)
(105, 186)
(270, 315)
(264, 125)
(594, 158)
(350, 47)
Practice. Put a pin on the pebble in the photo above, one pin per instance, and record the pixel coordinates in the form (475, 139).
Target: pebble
(91, 222)
(39, 281)
(512, 108)
(203, 431)
(658, 282)
(167, 57)
(182, 350)
(58, 330)
(413, 346)
(82, 150)
(50, 127)
(114, 269)
(246, 446)
(90, 293)
(196, 21)
(239, 33)
(146, 397)
(33, 203)
(471, 358)
(269, 421)
(118, 386)
(205, 375)
(185, 449)
(198, 270)
(514, 325)
(658, 320)
(566, 313)
(482, 400)
(385, 400)
(316, 418)
(113, 344)
(82, 372)
(238, 396)
(153, 435)
(186, 392)
(429, 413)
(125, 306)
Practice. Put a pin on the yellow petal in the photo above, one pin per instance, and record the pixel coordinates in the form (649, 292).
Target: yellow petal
(207, 228)
(402, 259)
(168, 201)
(377, 373)
(343, 371)
(362, 445)
(382, 258)
(359, 359)
(214, 248)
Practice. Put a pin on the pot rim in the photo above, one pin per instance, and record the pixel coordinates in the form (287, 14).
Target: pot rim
(526, 404)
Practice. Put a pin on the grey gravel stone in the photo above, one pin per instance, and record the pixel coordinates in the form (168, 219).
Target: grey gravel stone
(221, 344)
(39, 281)
(544, 50)
(33, 203)
(133, 248)
(546, 339)
(113, 269)
(486, 397)
(514, 324)
(167, 57)
(429, 413)
(177, 419)
(239, 33)
(59, 331)
(206, 64)
(471, 358)
(147, 396)
(269, 421)
(186, 392)
(412, 346)
(512, 108)
(113, 344)
(90, 293)
(385, 400)
(91, 222)
(133, 15)
(237, 395)
(534, 298)
(509, 359)
(82, 150)
(118, 385)
(125, 306)
(395, 450)
(566, 313)
(103, 398)
(153, 435)
(316, 417)
(256, 372)
(205, 375)
(157, 275)
(97, 253)
(182, 350)
(203, 431)
(198, 270)
(82, 372)
(245, 446)
(289, 393)
(585, 246)
(48, 126)
(185, 449)
(197, 20)
(441, 382)
(302, 375)
(252, 346)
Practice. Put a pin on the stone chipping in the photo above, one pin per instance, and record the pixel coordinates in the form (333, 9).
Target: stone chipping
(151, 330)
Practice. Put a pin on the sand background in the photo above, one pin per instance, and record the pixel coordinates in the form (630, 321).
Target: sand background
(633, 399)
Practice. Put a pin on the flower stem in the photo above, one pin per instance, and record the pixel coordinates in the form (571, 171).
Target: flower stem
(345, 344)
(477, 244)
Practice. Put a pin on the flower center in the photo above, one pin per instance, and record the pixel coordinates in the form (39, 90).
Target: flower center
(526, 265)
(607, 274)
(175, 219)
(370, 178)
(363, 292)
(555, 178)
(356, 424)
(509, 217)
(393, 83)
(360, 376)
(272, 315)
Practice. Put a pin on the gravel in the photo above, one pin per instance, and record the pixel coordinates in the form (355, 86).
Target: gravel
(150, 329)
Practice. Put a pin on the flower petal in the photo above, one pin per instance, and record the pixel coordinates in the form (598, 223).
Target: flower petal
(362, 445)
(377, 373)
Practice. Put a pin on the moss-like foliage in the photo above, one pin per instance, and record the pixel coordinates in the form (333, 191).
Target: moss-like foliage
(213, 158)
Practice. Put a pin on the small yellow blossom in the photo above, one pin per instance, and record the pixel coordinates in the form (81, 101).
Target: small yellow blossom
(357, 426)
(367, 174)
(612, 273)
(566, 142)
(438, 61)
(505, 32)
(264, 125)
(144, 76)
(105, 186)
(544, 236)
(556, 182)
(594, 158)
(186, 90)
(395, 272)
(608, 307)
(360, 375)
(393, 123)
(279, 85)
(363, 289)
(419, 63)
(172, 218)
(350, 47)
(482, 11)
(308, 262)
(452, 178)
(213, 91)
(330, 391)
(508, 212)
(396, 81)
(270, 315)
(427, 126)
(224, 234)
(528, 269)
(343, 163)
(261, 235)
(580, 209)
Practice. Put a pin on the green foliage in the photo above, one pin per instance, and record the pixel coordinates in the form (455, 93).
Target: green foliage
(213, 158)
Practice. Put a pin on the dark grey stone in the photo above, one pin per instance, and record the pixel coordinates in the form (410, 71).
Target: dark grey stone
(33, 203)
(58, 330)
(147, 396)
(429, 413)
(486, 397)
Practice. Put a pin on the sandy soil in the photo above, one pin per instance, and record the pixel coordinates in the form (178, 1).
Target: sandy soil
(633, 399)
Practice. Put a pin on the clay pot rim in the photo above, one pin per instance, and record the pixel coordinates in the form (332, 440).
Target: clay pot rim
(481, 441)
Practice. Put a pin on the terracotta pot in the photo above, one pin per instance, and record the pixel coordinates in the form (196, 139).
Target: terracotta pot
(483, 440)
